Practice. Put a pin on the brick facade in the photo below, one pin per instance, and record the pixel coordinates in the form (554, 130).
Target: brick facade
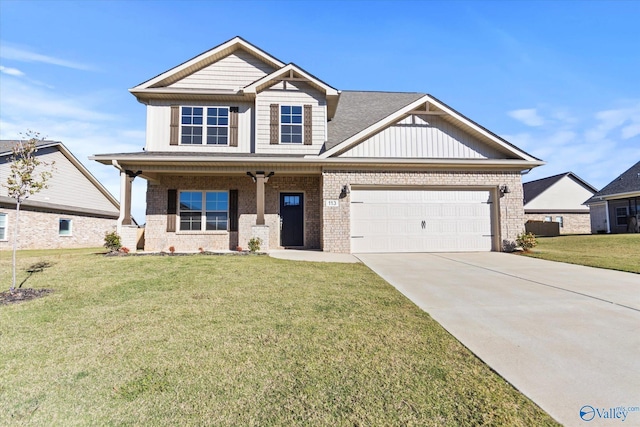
(39, 230)
(572, 223)
(158, 239)
(336, 220)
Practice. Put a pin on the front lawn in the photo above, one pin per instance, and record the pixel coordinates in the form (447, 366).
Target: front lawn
(234, 341)
(613, 251)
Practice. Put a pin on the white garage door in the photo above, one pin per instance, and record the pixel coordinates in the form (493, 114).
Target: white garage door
(420, 221)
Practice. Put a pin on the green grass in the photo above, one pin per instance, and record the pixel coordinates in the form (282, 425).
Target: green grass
(235, 341)
(613, 251)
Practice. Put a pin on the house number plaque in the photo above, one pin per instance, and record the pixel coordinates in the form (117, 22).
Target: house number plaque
(332, 203)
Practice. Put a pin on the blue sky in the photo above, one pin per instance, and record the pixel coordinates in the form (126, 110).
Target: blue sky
(561, 80)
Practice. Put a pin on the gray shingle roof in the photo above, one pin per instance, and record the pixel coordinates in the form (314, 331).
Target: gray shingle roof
(358, 110)
(627, 182)
(6, 145)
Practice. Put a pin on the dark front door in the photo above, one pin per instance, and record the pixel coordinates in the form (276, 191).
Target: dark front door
(292, 219)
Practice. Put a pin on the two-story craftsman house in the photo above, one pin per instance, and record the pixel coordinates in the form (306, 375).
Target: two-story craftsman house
(240, 144)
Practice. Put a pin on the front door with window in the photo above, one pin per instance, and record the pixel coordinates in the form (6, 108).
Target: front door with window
(292, 219)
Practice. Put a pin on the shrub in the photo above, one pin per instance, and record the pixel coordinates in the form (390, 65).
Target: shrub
(254, 244)
(172, 249)
(112, 241)
(527, 241)
(124, 250)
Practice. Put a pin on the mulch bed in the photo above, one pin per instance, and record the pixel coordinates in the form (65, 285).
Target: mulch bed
(20, 295)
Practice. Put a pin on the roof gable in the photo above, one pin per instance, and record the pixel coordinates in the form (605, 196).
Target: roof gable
(424, 105)
(74, 166)
(565, 191)
(205, 59)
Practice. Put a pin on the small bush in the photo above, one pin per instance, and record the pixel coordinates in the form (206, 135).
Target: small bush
(527, 241)
(254, 244)
(124, 250)
(112, 241)
(172, 249)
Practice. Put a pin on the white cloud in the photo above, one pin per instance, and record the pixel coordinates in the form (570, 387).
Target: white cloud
(596, 145)
(79, 123)
(527, 116)
(22, 54)
(11, 71)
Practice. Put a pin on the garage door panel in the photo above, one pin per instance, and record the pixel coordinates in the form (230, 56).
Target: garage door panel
(420, 221)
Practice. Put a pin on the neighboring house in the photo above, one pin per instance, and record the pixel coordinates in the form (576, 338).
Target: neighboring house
(560, 199)
(242, 145)
(616, 208)
(74, 211)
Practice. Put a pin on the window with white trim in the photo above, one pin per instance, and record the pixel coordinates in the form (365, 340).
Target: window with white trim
(560, 220)
(3, 226)
(621, 215)
(547, 219)
(64, 227)
(204, 210)
(204, 124)
(291, 124)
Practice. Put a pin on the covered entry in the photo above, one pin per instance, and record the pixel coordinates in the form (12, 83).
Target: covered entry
(410, 220)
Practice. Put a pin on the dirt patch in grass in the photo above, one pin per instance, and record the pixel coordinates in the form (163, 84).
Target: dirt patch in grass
(21, 295)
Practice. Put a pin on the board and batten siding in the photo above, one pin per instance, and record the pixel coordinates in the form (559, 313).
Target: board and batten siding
(232, 72)
(67, 186)
(295, 93)
(423, 137)
(159, 120)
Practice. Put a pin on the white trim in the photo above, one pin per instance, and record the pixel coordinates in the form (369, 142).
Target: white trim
(406, 111)
(231, 45)
(256, 86)
(5, 226)
(70, 220)
(203, 213)
(204, 125)
(295, 124)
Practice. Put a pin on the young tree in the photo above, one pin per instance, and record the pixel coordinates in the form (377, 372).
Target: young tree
(24, 180)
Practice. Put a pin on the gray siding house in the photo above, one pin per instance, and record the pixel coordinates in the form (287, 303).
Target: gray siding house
(240, 144)
(74, 211)
(616, 208)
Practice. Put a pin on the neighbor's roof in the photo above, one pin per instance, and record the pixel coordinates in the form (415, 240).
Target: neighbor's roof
(628, 182)
(6, 147)
(533, 189)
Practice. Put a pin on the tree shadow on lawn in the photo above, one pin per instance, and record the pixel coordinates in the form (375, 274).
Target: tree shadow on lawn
(19, 294)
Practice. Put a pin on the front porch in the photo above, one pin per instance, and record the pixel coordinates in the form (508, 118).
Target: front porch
(284, 211)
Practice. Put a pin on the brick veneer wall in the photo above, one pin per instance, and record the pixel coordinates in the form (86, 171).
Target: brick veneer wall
(336, 220)
(39, 230)
(573, 223)
(158, 239)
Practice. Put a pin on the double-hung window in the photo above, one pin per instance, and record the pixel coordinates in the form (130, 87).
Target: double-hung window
(208, 125)
(204, 210)
(3, 226)
(291, 124)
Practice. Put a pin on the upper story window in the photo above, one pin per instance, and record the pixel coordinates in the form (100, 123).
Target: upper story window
(204, 210)
(208, 124)
(291, 124)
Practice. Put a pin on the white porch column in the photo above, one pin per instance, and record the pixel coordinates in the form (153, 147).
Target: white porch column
(125, 199)
(260, 180)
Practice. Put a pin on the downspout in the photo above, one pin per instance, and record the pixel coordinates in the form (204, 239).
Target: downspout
(606, 210)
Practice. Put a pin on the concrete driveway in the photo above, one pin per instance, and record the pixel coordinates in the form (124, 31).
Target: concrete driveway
(566, 336)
